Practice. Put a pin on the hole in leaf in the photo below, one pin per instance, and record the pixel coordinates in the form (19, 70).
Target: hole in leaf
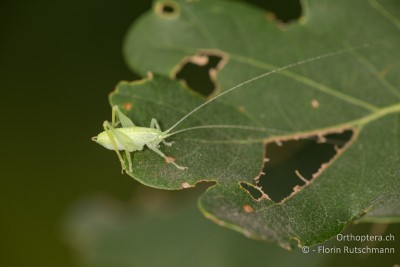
(254, 192)
(199, 73)
(282, 10)
(292, 163)
(167, 9)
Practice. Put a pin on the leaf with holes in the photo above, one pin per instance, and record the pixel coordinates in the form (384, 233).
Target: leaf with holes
(356, 93)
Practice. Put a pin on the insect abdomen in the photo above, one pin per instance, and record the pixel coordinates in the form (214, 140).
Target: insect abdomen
(141, 136)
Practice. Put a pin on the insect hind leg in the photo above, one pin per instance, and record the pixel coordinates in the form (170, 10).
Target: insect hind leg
(119, 118)
(167, 159)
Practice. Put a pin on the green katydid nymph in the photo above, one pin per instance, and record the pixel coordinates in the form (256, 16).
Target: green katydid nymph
(130, 138)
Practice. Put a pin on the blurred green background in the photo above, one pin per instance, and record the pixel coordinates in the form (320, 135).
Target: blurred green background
(59, 60)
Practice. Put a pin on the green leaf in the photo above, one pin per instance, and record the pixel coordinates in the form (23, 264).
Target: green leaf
(357, 90)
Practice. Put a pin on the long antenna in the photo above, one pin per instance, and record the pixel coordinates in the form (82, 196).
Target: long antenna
(241, 127)
(261, 76)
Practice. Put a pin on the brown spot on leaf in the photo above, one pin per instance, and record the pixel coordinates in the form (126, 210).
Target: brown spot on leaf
(315, 103)
(169, 159)
(128, 106)
(248, 209)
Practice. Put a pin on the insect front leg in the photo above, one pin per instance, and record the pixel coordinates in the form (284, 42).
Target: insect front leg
(154, 124)
(107, 127)
(167, 159)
